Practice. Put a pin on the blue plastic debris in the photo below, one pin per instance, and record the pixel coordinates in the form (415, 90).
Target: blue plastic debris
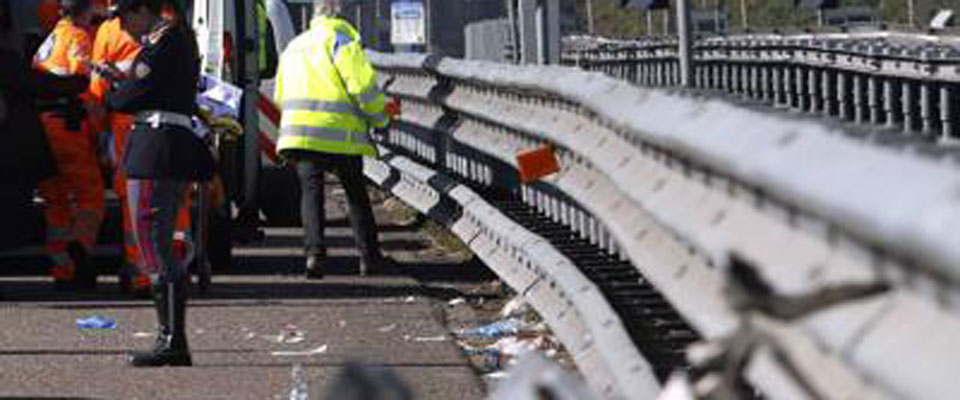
(96, 322)
(494, 330)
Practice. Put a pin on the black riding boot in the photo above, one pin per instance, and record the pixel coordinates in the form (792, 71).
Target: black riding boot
(170, 347)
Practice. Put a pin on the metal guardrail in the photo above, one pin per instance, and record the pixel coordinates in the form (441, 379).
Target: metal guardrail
(906, 82)
(834, 256)
(570, 304)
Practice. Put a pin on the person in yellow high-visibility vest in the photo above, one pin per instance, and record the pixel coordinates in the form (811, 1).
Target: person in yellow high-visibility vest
(328, 93)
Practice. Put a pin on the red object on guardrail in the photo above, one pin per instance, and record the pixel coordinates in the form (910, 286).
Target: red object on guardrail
(537, 163)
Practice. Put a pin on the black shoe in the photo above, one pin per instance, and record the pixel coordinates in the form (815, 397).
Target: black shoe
(86, 272)
(165, 352)
(171, 347)
(315, 267)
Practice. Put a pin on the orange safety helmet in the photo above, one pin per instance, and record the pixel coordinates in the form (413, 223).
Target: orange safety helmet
(48, 13)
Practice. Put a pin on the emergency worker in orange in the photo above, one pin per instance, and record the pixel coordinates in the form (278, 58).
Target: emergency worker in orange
(113, 54)
(74, 196)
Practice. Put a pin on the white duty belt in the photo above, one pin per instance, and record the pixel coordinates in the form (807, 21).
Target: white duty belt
(158, 118)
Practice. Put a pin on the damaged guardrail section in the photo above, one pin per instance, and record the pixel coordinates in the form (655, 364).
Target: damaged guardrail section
(570, 304)
(816, 265)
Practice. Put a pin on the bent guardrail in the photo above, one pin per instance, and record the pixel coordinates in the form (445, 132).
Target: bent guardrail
(850, 245)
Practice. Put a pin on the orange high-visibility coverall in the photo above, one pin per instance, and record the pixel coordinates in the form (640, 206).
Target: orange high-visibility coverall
(113, 46)
(75, 195)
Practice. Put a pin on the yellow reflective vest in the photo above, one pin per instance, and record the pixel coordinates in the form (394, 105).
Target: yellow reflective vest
(328, 92)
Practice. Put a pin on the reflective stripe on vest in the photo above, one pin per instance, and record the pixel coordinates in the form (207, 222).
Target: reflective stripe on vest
(331, 107)
(328, 134)
(319, 106)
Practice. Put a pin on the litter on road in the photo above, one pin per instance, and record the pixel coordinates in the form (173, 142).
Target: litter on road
(96, 322)
(387, 328)
(440, 338)
(318, 350)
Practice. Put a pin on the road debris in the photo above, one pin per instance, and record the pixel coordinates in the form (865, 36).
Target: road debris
(97, 322)
(387, 328)
(439, 338)
(319, 350)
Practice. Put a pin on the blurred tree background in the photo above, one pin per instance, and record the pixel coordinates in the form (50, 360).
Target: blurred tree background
(762, 15)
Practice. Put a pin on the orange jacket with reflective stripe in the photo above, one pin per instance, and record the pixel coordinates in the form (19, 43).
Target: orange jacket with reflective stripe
(112, 46)
(66, 51)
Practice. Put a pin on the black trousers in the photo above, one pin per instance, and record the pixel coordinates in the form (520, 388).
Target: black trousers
(349, 170)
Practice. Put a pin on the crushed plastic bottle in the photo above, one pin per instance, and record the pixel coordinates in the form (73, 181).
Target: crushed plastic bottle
(96, 322)
(299, 390)
(492, 331)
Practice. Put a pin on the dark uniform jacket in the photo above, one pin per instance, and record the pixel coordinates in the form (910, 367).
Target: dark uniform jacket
(165, 78)
(24, 154)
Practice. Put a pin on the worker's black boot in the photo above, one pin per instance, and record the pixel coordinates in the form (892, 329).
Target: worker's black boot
(315, 265)
(170, 348)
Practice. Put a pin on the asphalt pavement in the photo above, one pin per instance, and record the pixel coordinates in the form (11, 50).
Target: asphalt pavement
(261, 332)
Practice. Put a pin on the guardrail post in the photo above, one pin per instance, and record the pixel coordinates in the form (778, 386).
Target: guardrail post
(738, 78)
(859, 103)
(684, 44)
(726, 72)
(909, 103)
(843, 95)
(716, 82)
(829, 95)
(948, 103)
(874, 99)
(777, 82)
(928, 109)
(891, 90)
(800, 79)
(813, 86)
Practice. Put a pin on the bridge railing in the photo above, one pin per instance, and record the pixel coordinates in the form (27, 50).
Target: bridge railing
(835, 260)
(907, 82)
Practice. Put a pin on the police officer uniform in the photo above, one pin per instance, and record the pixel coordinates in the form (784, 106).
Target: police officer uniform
(162, 157)
(328, 92)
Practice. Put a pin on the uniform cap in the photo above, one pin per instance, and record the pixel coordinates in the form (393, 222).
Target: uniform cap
(121, 6)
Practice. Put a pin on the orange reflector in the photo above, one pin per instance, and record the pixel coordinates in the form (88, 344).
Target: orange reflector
(537, 163)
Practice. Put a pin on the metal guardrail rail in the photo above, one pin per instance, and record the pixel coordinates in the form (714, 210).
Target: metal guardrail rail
(568, 301)
(836, 260)
(904, 82)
